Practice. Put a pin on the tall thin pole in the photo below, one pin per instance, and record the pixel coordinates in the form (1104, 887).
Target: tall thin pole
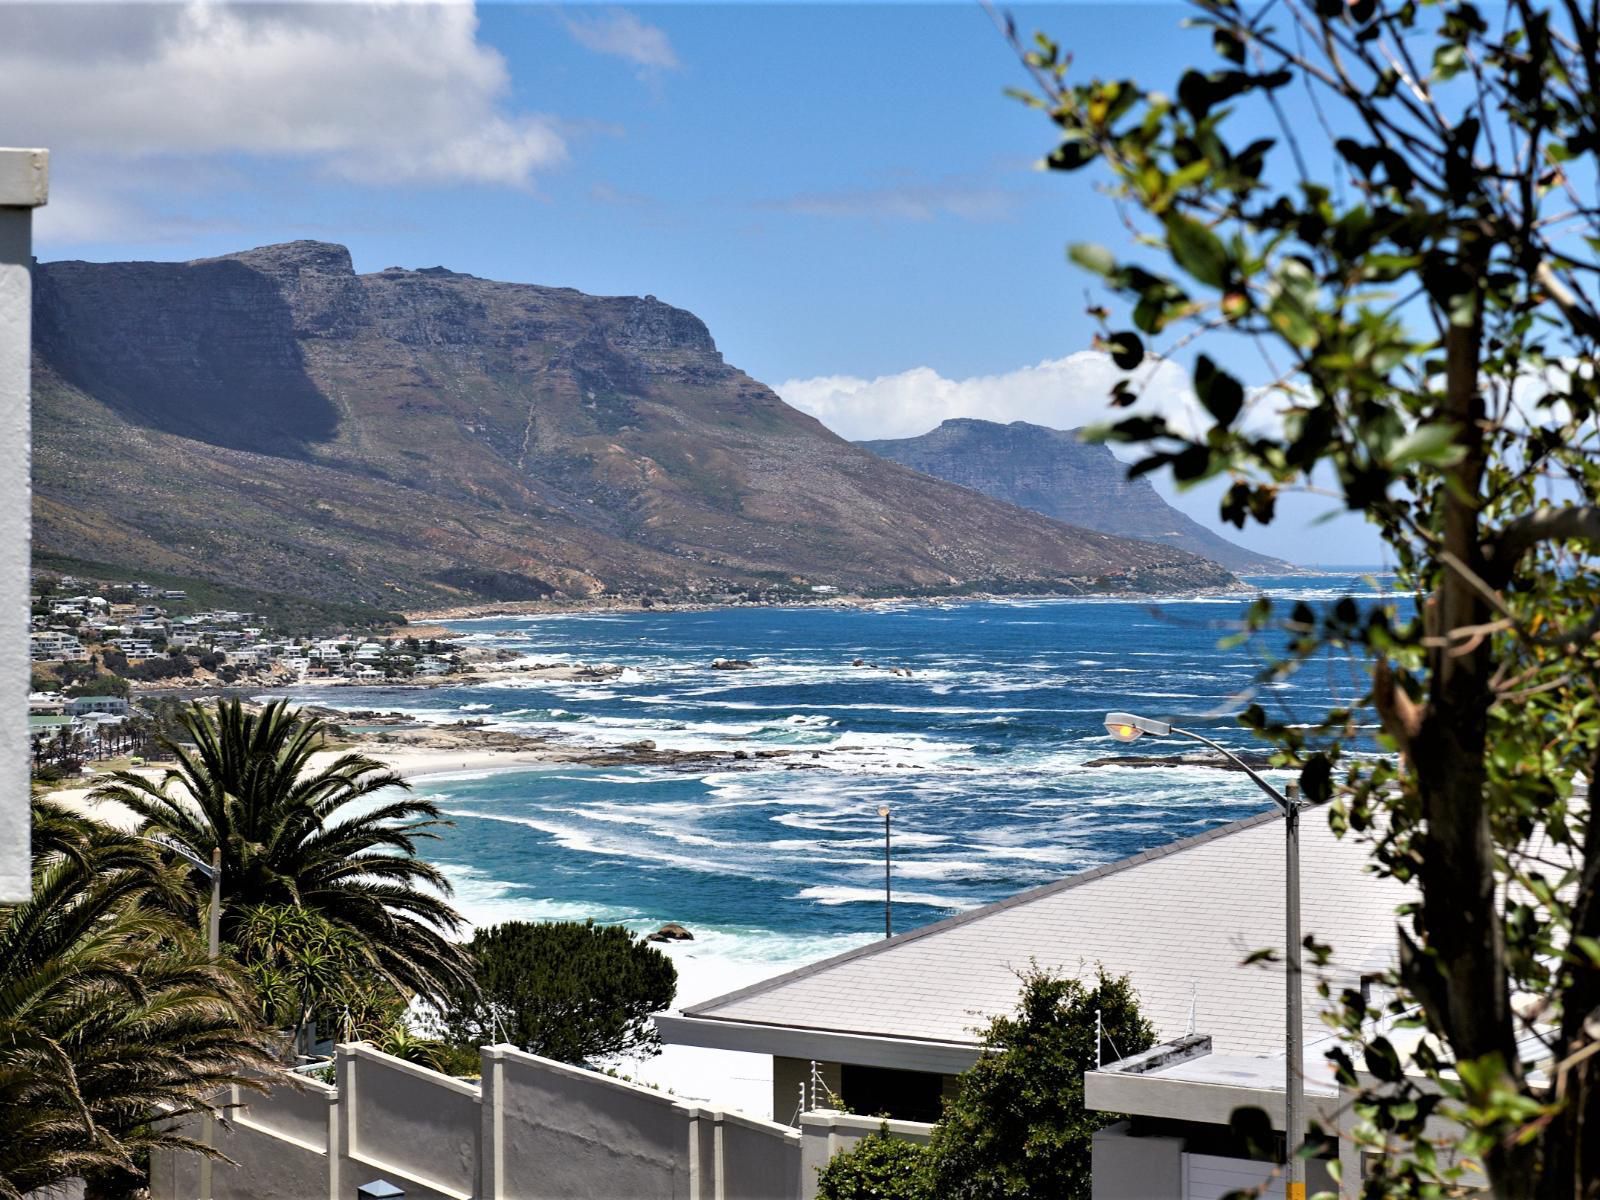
(1125, 727)
(214, 932)
(888, 899)
(1294, 1079)
(208, 1135)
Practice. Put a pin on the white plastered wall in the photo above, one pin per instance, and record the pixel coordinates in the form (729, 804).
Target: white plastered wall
(24, 177)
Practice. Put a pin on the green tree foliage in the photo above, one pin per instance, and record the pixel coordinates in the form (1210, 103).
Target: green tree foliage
(320, 838)
(567, 990)
(110, 1012)
(1017, 1127)
(1414, 258)
(102, 685)
(878, 1167)
(306, 969)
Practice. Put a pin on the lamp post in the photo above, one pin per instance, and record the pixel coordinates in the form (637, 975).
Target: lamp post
(888, 922)
(1126, 727)
(213, 871)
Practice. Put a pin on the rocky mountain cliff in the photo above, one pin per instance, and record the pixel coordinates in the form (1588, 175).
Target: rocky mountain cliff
(417, 437)
(1052, 472)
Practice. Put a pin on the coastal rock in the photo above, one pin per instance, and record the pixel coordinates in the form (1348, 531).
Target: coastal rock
(670, 932)
(1256, 762)
(732, 664)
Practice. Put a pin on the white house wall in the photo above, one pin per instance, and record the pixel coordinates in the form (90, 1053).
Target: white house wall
(24, 179)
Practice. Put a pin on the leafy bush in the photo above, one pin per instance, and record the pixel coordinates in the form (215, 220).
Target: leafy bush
(567, 990)
(102, 685)
(1017, 1126)
(878, 1167)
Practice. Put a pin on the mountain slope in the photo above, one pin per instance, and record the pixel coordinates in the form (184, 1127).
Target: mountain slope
(419, 436)
(1052, 472)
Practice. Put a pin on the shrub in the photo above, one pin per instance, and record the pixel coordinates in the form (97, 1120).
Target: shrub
(1017, 1126)
(567, 990)
(878, 1167)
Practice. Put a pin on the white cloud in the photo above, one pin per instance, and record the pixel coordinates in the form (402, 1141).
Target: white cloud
(372, 92)
(1062, 393)
(623, 35)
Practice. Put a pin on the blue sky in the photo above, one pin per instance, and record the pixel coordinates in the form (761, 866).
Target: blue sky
(842, 193)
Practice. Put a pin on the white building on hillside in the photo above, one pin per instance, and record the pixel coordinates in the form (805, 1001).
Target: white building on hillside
(114, 706)
(54, 646)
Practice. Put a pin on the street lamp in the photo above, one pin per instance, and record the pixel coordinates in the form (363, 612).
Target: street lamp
(213, 871)
(888, 926)
(1127, 727)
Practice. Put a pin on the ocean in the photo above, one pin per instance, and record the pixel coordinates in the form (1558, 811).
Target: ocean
(971, 722)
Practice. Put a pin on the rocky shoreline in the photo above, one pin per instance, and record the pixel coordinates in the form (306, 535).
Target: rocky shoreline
(475, 738)
(553, 607)
(1217, 762)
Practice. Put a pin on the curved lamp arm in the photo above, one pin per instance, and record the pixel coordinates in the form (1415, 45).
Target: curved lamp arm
(1279, 797)
(1130, 727)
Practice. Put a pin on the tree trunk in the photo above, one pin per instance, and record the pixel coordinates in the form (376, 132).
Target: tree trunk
(1570, 1169)
(1460, 914)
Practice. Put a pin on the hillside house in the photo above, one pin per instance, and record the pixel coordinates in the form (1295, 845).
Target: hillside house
(113, 706)
(55, 646)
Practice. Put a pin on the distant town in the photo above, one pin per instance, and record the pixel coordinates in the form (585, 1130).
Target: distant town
(95, 643)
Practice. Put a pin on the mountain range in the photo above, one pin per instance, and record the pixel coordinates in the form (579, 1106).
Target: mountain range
(1055, 472)
(415, 438)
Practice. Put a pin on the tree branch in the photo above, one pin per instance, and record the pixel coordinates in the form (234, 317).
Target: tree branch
(1574, 522)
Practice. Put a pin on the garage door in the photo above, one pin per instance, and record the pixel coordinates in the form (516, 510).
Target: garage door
(1207, 1177)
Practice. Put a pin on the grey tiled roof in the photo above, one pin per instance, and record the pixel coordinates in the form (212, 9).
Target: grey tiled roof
(1177, 919)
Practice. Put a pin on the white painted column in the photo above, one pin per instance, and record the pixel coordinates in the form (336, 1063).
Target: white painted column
(491, 1139)
(24, 186)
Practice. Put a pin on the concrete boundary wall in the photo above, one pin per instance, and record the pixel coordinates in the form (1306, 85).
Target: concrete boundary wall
(533, 1129)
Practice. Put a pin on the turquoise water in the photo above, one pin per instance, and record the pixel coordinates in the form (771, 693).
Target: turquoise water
(977, 746)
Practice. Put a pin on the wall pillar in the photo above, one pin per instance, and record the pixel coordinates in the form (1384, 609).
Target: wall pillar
(24, 186)
(335, 1145)
(491, 1141)
(345, 1062)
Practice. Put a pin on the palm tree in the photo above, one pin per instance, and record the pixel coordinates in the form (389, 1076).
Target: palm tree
(110, 1013)
(292, 835)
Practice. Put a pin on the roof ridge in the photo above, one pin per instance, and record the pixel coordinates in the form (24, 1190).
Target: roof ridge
(1020, 898)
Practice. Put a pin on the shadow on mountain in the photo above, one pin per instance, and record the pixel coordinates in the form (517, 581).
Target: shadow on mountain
(204, 350)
